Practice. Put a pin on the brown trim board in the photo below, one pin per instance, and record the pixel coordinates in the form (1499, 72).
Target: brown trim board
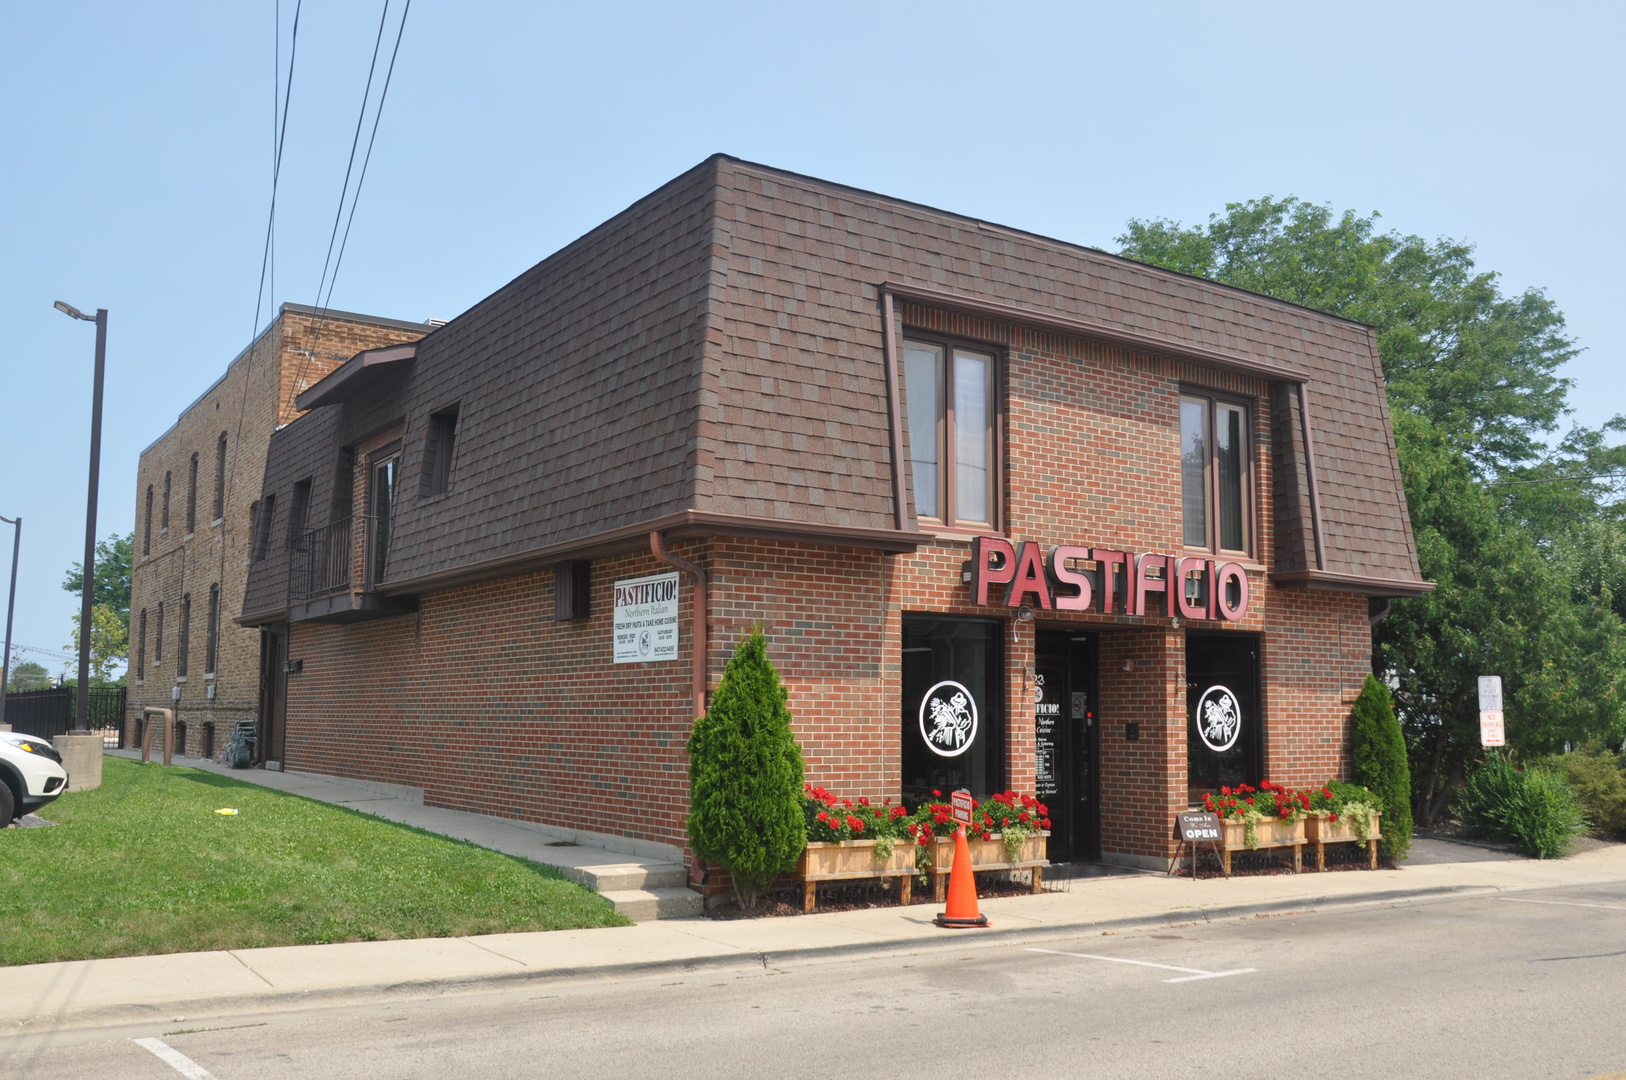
(1328, 581)
(1085, 328)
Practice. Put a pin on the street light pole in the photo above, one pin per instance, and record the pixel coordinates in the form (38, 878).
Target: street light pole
(11, 606)
(81, 724)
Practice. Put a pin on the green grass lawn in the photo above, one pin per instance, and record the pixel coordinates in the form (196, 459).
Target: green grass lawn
(144, 865)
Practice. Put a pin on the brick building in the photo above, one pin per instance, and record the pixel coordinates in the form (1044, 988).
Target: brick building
(1012, 513)
(197, 488)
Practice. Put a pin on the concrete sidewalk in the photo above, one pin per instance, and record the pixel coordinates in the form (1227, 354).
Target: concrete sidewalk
(193, 985)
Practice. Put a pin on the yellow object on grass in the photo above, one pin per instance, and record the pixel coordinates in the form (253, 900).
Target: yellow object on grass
(227, 812)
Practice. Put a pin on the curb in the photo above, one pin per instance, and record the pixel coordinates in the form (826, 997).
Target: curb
(329, 997)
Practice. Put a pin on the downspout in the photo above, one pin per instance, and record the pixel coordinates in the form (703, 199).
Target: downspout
(1382, 612)
(697, 615)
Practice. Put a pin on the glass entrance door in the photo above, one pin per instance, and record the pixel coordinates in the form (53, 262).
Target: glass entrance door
(1066, 739)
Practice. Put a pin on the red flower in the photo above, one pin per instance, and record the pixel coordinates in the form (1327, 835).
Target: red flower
(823, 816)
(936, 794)
(1045, 824)
(856, 823)
(1332, 817)
(986, 835)
(863, 801)
(1225, 790)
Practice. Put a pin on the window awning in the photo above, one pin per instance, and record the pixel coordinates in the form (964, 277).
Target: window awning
(355, 374)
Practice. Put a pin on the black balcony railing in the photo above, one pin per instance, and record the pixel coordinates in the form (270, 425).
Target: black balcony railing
(320, 562)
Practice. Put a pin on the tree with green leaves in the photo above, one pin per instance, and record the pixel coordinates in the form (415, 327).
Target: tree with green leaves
(1524, 541)
(1479, 365)
(114, 557)
(745, 775)
(1377, 751)
(109, 642)
(28, 675)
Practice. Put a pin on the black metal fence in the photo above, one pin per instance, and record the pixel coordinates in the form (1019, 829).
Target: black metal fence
(320, 562)
(49, 713)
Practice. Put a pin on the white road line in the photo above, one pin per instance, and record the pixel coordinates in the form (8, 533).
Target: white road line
(1193, 974)
(175, 1059)
(1560, 903)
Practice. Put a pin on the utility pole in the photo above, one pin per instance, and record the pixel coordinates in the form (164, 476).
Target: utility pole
(81, 725)
(16, 524)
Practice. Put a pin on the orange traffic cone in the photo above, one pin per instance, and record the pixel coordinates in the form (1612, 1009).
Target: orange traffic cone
(962, 890)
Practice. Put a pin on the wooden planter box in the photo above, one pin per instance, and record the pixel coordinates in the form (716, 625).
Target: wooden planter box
(1271, 832)
(989, 855)
(853, 860)
(1319, 832)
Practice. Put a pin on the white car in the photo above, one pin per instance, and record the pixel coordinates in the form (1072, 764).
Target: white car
(31, 775)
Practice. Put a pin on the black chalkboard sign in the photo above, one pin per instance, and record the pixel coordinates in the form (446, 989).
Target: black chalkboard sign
(1197, 827)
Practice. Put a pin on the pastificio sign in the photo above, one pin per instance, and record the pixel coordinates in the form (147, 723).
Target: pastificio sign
(1070, 578)
(646, 619)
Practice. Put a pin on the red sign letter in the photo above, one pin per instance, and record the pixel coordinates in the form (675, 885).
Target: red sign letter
(1066, 575)
(1142, 582)
(1222, 591)
(984, 575)
(1109, 562)
(1029, 577)
(1190, 609)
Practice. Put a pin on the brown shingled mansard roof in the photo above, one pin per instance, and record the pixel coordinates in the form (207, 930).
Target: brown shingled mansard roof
(712, 360)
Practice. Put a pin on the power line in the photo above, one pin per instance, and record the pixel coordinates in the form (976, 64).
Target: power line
(355, 140)
(1558, 479)
(378, 114)
(276, 164)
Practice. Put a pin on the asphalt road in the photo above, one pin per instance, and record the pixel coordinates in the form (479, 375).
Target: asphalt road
(1525, 986)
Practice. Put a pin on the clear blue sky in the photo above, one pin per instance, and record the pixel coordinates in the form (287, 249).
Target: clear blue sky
(135, 162)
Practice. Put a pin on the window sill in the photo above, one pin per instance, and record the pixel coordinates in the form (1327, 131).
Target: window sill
(180, 678)
(216, 523)
(211, 674)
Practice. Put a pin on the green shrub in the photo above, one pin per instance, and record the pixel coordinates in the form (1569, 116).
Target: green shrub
(1345, 792)
(745, 775)
(1536, 809)
(1599, 783)
(1378, 750)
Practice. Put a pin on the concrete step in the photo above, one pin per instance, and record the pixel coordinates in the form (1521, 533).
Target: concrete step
(621, 877)
(644, 905)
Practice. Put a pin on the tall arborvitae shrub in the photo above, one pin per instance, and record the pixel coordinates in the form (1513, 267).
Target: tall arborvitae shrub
(1378, 750)
(745, 775)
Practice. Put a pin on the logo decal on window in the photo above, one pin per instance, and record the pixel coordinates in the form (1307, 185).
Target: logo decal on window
(1219, 718)
(948, 719)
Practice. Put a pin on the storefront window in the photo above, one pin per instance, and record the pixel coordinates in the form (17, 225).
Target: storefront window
(1214, 474)
(1223, 743)
(951, 414)
(953, 708)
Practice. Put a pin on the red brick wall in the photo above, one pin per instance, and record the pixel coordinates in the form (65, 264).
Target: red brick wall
(489, 704)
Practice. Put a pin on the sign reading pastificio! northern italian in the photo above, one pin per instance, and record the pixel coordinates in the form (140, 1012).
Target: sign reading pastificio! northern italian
(646, 619)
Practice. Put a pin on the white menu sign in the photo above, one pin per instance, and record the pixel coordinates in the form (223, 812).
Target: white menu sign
(646, 619)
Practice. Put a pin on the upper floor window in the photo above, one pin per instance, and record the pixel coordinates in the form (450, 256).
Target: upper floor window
(220, 477)
(141, 648)
(952, 436)
(264, 511)
(146, 535)
(158, 635)
(163, 521)
(211, 651)
(1215, 474)
(381, 508)
(437, 462)
(192, 496)
(185, 632)
(299, 508)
